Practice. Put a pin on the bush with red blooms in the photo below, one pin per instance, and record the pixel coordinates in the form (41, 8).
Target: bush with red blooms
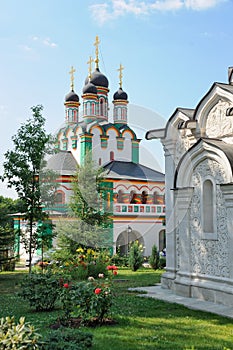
(112, 268)
(98, 290)
(85, 262)
(88, 300)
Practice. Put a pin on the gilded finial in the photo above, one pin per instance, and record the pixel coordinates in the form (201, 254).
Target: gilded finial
(120, 75)
(90, 66)
(96, 44)
(71, 72)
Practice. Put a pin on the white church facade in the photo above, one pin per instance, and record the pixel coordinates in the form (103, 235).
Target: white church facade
(198, 146)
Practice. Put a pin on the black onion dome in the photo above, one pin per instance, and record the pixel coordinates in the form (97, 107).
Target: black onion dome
(72, 97)
(98, 79)
(120, 95)
(89, 88)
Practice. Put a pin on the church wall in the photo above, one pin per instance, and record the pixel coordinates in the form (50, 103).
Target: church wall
(102, 150)
(147, 229)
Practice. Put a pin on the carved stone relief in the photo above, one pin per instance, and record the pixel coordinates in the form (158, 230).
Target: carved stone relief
(218, 124)
(182, 145)
(209, 256)
(177, 248)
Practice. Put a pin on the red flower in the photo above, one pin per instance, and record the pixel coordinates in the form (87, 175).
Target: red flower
(97, 290)
(115, 272)
(112, 267)
(66, 285)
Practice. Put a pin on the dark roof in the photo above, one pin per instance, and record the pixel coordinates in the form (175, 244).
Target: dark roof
(90, 88)
(120, 95)
(62, 162)
(128, 170)
(98, 79)
(71, 97)
(65, 164)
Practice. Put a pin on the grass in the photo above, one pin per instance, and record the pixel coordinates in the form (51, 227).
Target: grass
(142, 323)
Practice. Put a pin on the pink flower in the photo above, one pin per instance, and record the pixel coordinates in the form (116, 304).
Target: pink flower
(66, 285)
(97, 290)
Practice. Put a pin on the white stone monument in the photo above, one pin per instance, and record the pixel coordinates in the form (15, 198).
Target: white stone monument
(198, 146)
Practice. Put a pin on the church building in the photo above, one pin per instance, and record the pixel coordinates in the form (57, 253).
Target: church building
(135, 193)
(198, 146)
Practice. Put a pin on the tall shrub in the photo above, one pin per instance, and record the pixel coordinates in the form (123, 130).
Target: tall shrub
(135, 256)
(41, 290)
(154, 258)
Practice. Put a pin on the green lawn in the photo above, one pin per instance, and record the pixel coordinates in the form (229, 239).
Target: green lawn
(142, 323)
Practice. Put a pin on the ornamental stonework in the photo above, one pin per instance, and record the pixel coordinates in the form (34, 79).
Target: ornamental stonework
(218, 124)
(209, 256)
(182, 145)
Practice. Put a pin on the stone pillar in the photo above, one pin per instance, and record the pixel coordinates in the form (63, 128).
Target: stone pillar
(227, 191)
(182, 283)
(170, 274)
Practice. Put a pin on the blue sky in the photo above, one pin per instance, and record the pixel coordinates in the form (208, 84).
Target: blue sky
(172, 51)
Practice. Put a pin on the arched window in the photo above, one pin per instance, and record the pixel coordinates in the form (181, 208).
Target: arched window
(133, 197)
(155, 198)
(144, 197)
(74, 115)
(89, 108)
(120, 198)
(208, 207)
(162, 240)
(85, 108)
(93, 108)
(111, 155)
(101, 107)
(60, 197)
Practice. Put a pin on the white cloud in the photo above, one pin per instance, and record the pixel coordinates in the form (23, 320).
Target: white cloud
(167, 5)
(112, 9)
(44, 41)
(48, 42)
(202, 4)
(26, 48)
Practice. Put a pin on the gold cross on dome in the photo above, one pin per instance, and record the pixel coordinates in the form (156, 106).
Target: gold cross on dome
(90, 66)
(96, 44)
(71, 72)
(120, 74)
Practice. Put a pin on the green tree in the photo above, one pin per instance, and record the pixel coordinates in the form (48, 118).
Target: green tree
(89, 221)
(154, 258)
(22, 167)
(8, 206)
(135, 256)
(7, 240)
(86, 201)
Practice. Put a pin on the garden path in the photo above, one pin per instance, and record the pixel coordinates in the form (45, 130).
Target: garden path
(167, 295)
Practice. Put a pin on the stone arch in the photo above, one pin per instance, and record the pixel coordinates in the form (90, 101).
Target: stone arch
(215, 97)
(203, 149)
(162, 240)
(125, 238)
